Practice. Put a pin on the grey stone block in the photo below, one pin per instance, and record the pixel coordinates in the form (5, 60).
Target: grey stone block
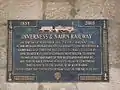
(25, 9)
(57, 9)
(3, 84)
(3, 46)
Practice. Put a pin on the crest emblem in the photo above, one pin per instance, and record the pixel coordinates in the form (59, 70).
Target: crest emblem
(57, 75)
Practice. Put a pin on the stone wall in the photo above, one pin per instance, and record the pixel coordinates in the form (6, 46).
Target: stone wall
(63, 9)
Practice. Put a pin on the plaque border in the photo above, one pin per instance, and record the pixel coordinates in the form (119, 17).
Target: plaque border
(105, 54)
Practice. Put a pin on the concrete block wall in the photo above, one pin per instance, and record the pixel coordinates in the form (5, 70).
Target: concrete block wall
(63, 9)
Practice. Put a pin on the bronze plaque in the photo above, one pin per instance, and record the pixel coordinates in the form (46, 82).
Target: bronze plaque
(57, 51)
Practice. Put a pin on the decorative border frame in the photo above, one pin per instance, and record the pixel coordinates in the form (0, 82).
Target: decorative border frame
(9, 53)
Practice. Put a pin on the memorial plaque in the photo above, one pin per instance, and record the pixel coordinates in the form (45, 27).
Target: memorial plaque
(57, 51)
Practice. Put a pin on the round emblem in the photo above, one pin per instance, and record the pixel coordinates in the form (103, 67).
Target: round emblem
(57, 75)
